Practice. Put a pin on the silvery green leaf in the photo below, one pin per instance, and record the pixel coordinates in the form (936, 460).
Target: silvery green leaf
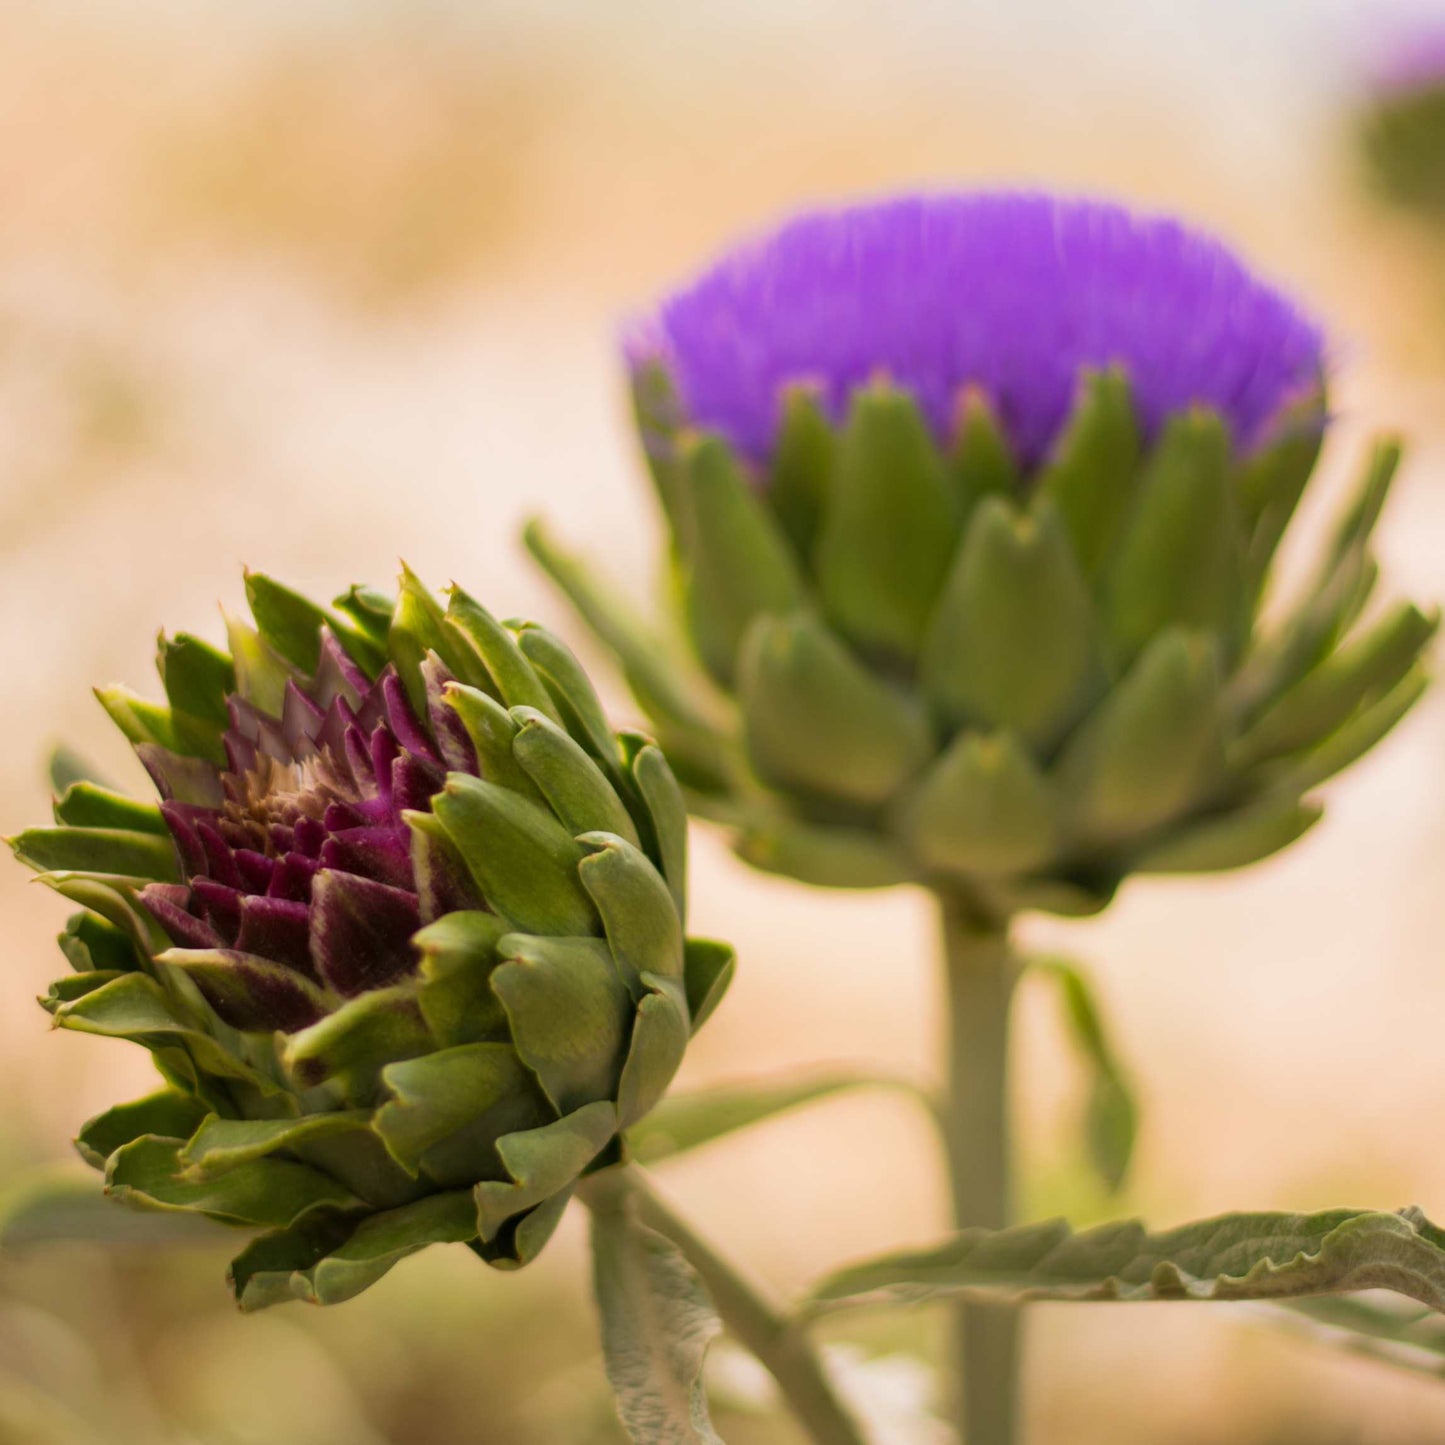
(657, 1323)
(54, 1206)
(688, 1121)
(1111, 1116)
(1266, 1256)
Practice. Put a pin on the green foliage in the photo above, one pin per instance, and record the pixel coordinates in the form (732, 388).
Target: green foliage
(458, 1095)
(1111, 1116)
(657, 1324)
(1232, 1257)
(1021, 686)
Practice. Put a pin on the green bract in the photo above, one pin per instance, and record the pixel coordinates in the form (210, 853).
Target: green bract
(404, 936)
(927, 664)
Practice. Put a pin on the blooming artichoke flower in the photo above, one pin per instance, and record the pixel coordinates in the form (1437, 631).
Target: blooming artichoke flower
(404, 935)
(1402, 122)
(973, 501)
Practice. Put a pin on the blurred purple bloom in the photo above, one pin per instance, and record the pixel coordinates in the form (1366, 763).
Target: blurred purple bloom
(1012, 293)
(1409, 58)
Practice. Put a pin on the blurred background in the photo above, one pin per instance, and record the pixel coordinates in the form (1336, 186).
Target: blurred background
(311, 286)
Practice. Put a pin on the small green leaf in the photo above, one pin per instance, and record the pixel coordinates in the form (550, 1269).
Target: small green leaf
(326, 1259)
(135, 1007)
(657, 1324)
(542, 1162)
(1358, 522)
(659, 1041)
(1012, 643)
(576, 789)
(168, 1114)
(88, 805)
(570, 1013)
(636, 907)
(90, 944)
(517, 685)
(458, 954)
(261, 672)
(50, 1206)
(737, 564)
(981, 459)
(418, 627)
(667, 812)
(1270, 482)
(802, 469)
(383, 1240)
(983, 808)
(1318, 765)
(369, 608)
(1231, 1257)
(1150, 748)
(492, 730)
(66, 767)
(74, 986)
(825, 856)
(524, 861)
(117, 851)
(1092, 476)
(113, 899)
(667, 684)
(447, 1110)
(353, 1043)
(265, 1191)
(572, 691)
(1365, 668)
(1303, 640)
(708, 969)
(198, 678)
(1178, 563)
(145, 722)
(220, 1145)
(688, 1121)
(290, 622)
(1231, 840)
(891, 527)
(1111, 1117)
(814, 718)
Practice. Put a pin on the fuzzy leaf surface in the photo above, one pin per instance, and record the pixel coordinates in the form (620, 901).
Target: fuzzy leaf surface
(657, 1323)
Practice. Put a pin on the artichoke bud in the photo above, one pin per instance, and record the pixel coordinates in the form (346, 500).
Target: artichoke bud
(1401, 120)
(981, 499)
(404, 935)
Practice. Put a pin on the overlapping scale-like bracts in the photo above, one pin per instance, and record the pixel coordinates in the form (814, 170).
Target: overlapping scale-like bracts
(404, 934)
(1012, 649)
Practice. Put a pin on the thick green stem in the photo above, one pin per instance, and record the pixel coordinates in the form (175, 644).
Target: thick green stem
(981, 972)
(757, 1321)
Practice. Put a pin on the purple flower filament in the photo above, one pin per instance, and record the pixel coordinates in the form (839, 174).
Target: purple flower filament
(1014, 294)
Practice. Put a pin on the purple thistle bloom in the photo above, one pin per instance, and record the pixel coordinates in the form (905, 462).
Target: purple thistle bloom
(1011, 293)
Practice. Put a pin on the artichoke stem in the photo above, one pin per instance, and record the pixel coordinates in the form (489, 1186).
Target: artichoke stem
(981, 972)
(758, 1322)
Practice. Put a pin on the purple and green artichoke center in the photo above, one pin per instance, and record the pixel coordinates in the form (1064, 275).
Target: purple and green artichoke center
(1011, 294)
(300, 854)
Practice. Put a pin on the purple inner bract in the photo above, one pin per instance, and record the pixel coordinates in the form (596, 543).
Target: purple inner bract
(298, 853)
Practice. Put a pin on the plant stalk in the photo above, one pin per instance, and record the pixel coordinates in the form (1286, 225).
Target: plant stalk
(981, 972)
(752, 1316)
